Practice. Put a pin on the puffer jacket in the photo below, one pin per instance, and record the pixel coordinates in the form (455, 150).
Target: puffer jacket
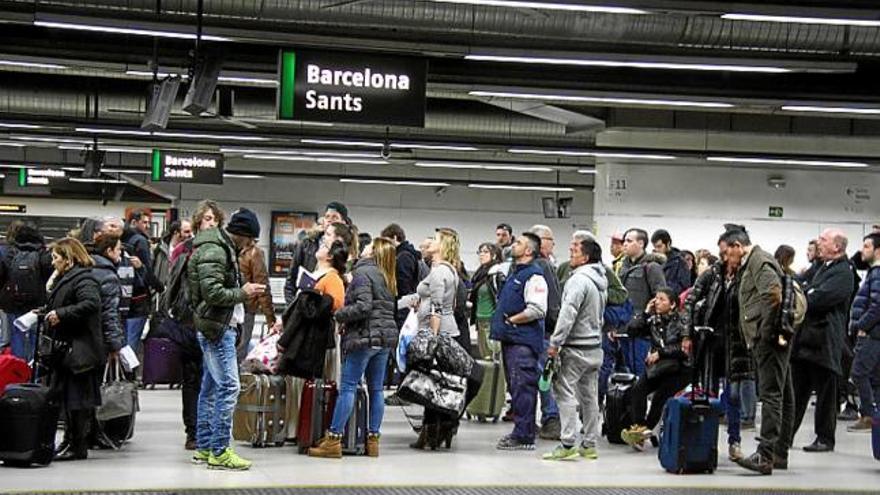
(26, 239)
(104, 272)
(702, 301)
(665, 333)
(303, 256)
(214, 282)
(865, 316)
(76, 299)
(641, 278)
(368, 314)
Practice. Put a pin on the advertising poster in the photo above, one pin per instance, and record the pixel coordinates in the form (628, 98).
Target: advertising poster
(288, 228)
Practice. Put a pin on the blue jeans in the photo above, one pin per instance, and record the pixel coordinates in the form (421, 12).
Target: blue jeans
(22, 344)
(549, 409)
(608, 352)
(370, 364)
(134, 328)
(731, 399)
(866, 374)
(521, 365)
(747, 392)
(219, 393)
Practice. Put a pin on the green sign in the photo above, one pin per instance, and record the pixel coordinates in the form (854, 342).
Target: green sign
(187, 167)
(39, 176)
(775, 212)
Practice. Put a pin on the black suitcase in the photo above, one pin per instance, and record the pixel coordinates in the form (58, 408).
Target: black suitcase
(354, 438)
(617, 416)
(28, 421)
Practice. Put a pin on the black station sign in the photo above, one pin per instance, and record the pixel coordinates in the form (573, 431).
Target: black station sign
(187, 167)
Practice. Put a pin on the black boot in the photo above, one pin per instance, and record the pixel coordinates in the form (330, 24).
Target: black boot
(422, 441)
(78, 425)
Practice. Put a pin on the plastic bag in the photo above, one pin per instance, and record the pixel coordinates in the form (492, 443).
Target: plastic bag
(407, 332)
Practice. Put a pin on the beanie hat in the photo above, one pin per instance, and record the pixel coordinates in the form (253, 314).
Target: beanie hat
(339, 208)
(244, 222)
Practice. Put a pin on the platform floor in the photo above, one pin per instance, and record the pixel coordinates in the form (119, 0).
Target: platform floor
(155, 460)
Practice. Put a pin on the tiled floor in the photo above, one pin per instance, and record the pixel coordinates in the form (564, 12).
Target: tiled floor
(155, 459)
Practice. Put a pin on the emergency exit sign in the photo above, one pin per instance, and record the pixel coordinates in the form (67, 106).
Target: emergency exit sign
(775, 212)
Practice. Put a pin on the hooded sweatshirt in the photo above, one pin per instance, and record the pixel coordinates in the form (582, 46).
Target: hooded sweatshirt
(583, 304)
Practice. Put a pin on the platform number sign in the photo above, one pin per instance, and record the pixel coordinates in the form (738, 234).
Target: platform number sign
(775, 212)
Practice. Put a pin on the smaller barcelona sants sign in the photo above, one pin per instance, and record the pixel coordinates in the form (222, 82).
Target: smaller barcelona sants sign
(187, 167)
(351, 88)
(40, 176)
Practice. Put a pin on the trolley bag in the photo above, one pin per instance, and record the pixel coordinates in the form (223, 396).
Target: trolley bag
(315, 412)
(12, 370)
(617, 416)
(354, 438)
(261, 414)
(161, 362)
(490, 398)
(875, 433)
(28, 420)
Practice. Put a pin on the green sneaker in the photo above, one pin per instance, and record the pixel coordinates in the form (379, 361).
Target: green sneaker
(588, 453)
(229, 461)
(561, 453)
(201, 456)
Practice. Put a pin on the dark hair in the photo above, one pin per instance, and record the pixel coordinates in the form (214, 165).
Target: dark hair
(506, 227)
(534, 243)
(592, 250)
(875, 239)
(346, 232)
(784, 255)
(814, 242)
(673, 297)
(89, 228)
(734, 236)
(338, 256)
(364, 240)
(641, 236)
(172, 229)
(393, 231)
(103, 243)
(494, 251)
(662, 236)
(138, 214)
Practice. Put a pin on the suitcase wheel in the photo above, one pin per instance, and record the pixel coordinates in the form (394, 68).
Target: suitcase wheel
(279, 444)
(495, 419)
(481, 418)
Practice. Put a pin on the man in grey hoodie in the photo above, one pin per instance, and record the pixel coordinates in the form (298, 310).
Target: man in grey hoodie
(576, 343)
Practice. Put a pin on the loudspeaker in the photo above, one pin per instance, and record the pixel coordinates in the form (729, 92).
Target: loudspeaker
(203, 83)
(162, 96)
(94, 160)
(549, 205)
(225, 102)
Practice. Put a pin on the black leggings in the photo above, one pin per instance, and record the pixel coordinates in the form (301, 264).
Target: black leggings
(664, 387)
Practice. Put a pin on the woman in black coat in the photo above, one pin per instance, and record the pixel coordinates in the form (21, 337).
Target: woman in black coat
(73, 322)
(106, 252)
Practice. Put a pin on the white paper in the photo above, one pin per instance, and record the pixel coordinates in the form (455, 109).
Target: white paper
(128, 358)
(26, 322)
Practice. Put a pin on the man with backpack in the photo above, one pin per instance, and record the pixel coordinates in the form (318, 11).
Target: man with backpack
(24, 271)
(818, 344)
(642, 275)
(760, 303)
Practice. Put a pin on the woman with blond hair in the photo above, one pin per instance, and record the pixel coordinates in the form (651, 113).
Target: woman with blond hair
(435, 295)
(73, 323)
(369, 332)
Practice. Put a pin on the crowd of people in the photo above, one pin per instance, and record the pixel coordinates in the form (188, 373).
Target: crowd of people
(98, 288)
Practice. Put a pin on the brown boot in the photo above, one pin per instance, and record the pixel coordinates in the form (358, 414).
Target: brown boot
(372, 445)
(329, 447)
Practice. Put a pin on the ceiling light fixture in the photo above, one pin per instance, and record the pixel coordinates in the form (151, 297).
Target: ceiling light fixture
(31, 65)
(11, 125)
(587, 171)
(123, 132)
(269, 151)
(317, 159)
(477, 166)
(521, 188)
(13, 145)
(129, 132)
(568, 7)
(362, 144)
(602, 99)
(781, 161)
(633, 64)
(395, 182)
(229, 79)
(50, 139)
(97, 181)
(233, 175)
(126, 30)
(594, 154)
(111, 149)
(443, 147)
(817, 109)
(802, 20)
(134, 171)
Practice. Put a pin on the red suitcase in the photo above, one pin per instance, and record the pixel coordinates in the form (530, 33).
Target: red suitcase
(315, 413)
(12, 370)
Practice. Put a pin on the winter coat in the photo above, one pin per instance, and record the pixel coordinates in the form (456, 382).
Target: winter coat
(104, 272)
(76, 299)
(308, 334)
(820, 339)
(408, 258)
(492, 277)
(161, 263)
(214, 282)
(252, 263)
(368, 314)
(641, 278)
(554, 293)
(676, 272)
(303, 256)
(583, 304)
(665, 333)
(865, 313)
(760, 296)
(27, 239)
(145, 281)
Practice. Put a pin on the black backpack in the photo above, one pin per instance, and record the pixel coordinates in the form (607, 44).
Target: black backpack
(24, 288)
(175, 302)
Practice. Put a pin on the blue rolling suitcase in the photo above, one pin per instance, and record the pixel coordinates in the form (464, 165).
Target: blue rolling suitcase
(354, 438)
(875, 433)
(689, 438)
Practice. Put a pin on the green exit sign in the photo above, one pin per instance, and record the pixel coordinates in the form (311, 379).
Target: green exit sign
(775, 212)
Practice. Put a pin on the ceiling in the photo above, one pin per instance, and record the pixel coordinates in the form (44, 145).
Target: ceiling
(683, 80)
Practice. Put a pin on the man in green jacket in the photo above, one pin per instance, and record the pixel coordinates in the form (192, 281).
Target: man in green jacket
(217, 297)
(760, 297)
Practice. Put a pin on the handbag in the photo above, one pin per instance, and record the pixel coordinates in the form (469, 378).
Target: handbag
(409, 329)
(263, 359)
(421, 349)
(118, 396)
(452, 357)
(435, 390)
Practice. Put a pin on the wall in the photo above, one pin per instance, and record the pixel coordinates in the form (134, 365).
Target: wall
(693, 203)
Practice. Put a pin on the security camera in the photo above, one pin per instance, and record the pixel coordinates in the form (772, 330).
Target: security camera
(776, 182)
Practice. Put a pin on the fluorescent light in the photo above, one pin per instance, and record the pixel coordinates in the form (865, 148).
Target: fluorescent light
(221, 137)
(146, 73)
(363, 144)
(589, 171)
(126, 30)
(395, 182)
(248, 80)
(20, 126)
(123, 132)
(520, 188)
(72, 169)
(629, 64)
(31, 65)
(815, 109)
(447, 147)
(50, 140)
(780, 161)
(112, 149)
(134, 171)
(243, 176)
(477, 166)
(3, 165)
(355, 161)
(802, 20)
(14, 145)
(97, 181)
(595, 154)
(570, 7)
(602, 99)
(269, 151)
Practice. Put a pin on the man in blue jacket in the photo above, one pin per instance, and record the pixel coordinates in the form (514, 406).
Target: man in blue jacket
(519, 325)
(865, 322)
(675, 270)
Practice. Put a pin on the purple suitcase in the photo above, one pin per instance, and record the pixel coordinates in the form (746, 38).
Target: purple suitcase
(161, 362)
